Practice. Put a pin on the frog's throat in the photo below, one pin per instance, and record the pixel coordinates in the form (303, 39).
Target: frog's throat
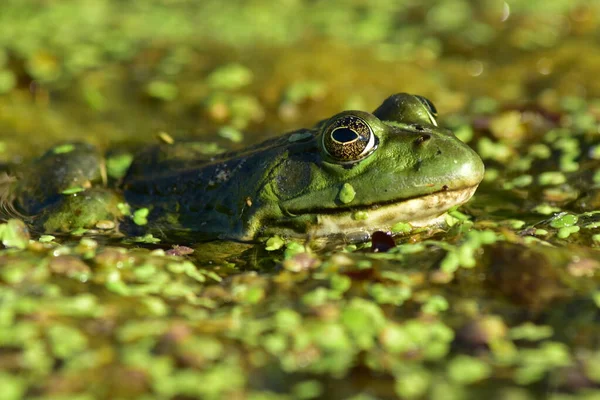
(419, 211)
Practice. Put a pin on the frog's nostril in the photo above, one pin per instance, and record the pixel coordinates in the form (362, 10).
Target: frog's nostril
(422, 139)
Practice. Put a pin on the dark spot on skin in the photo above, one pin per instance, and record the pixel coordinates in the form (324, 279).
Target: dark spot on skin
(422, 139)
(445, 188)
(419, 127)
(293, 176)
(438, 153)
(418, 164)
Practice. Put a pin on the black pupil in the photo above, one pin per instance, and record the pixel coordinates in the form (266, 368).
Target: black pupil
(344, 135)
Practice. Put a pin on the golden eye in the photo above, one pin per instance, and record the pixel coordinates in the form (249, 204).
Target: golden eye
(349, 138)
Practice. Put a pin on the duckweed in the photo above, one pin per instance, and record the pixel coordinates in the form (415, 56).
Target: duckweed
(535, 363)
(140, 216)
(305, 90)
(389, 295)
(14, 233)
(488, 149)
(529, 331)
(540, 150)
(147, 238)
(551, 178)
(347, 193)
(116, 166)
(307, 390)
(62, 149)
(466, 370)
(515, 223)
(114, 317)
(162, 90)
(464, 133)
(293, 248)
(8, 81)
(360, 216)
(435, 305)
(412, 383)
(73, 190)
(521, 181)
(230, 76)
(564, 220)
(401, 227)
(231, 133)
(46, 238)
(596, 298)
(566, 231)
(545, 209)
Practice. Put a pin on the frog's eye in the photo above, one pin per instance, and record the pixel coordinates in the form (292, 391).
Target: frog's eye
(428, 104)
(407, 109)
(349, 138)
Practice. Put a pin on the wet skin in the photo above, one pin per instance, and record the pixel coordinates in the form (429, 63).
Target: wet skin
(350, 175)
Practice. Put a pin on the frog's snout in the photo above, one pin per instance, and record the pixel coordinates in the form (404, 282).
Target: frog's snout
(454, 162)
(469, 168)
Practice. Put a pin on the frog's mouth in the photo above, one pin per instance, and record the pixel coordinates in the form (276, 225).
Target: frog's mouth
(418, 211)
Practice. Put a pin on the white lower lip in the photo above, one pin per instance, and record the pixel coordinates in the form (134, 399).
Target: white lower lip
(421, 211)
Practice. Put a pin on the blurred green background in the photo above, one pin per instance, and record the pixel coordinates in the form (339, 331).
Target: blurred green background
(108, 70)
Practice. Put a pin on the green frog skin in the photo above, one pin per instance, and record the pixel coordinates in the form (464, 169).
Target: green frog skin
(350, 175)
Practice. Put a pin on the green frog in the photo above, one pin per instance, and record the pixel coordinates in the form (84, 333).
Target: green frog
(350, 175)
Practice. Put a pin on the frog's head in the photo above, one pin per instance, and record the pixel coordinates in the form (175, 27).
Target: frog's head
(400, 165)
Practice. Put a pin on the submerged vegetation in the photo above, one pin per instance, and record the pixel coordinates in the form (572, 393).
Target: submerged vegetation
(504, 302)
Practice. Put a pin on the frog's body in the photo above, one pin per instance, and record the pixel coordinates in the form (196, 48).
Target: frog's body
(225, 196)
(292, 185)
(352, 174)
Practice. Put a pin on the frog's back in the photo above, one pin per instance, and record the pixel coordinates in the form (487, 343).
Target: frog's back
(194, 196)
